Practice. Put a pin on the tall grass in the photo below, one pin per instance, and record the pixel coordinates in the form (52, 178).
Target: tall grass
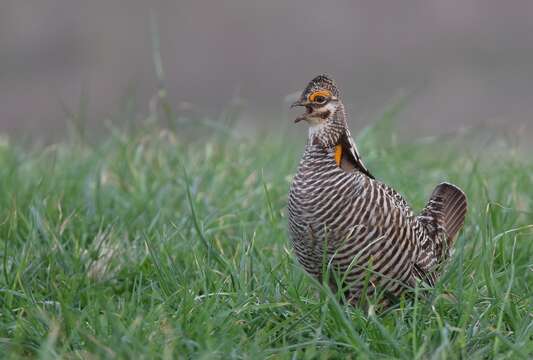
(159, 244)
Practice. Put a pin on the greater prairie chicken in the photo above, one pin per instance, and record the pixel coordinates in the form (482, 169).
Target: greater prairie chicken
(344, 220)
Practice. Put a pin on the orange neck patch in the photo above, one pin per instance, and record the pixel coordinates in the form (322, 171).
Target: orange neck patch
(338, 154)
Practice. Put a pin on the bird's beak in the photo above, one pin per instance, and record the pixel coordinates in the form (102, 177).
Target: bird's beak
(297, 103)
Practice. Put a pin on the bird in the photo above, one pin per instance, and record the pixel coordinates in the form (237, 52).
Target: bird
(352, 227)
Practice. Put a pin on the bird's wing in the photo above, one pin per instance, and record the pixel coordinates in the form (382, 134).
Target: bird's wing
(424, 266)
(352, 154)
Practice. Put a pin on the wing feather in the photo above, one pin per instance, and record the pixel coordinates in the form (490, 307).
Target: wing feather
(352, 154)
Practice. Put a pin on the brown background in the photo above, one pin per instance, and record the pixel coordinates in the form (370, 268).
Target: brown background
(463, 63)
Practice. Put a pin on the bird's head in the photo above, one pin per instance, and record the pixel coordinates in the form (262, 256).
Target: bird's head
(327, 122)
(320, 99)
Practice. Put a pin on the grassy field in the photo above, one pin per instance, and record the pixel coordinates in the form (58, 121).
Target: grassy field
(173, 244)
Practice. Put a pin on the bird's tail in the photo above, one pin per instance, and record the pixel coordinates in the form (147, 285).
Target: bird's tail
(447, 208)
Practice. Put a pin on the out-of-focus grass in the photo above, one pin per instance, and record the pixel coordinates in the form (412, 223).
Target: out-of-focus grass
(159, 244)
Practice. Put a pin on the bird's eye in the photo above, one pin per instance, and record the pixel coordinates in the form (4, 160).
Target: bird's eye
(320, 99)
(320, 96)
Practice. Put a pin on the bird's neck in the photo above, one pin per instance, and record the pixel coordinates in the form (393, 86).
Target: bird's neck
(328, 133)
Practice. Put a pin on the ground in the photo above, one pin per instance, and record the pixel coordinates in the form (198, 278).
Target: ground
(154, 243)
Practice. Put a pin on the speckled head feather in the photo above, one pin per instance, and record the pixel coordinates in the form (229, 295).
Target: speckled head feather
(322, 81)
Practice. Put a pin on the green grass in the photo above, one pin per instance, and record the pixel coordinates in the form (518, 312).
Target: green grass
(158, 244)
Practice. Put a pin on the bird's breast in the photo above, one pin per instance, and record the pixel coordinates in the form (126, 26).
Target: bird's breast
(322, 195)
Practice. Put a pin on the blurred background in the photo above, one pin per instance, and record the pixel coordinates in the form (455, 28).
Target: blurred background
(461, 63)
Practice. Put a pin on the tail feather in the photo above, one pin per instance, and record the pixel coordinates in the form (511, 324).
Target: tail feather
(447, 206)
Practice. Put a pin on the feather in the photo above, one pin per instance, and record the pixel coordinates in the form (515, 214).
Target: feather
(351, 154)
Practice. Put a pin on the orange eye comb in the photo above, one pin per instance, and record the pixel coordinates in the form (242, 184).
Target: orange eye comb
(324, 93)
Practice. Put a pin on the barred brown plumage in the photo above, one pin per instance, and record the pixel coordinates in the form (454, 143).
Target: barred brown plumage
(340, 215)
